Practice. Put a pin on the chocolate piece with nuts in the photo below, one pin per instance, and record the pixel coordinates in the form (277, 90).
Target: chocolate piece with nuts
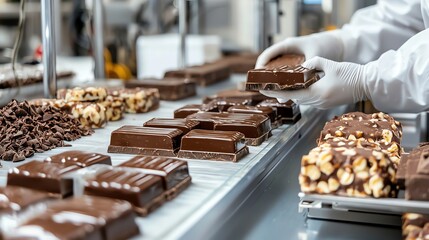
(137, 100)
(415, 226)
(78, 94)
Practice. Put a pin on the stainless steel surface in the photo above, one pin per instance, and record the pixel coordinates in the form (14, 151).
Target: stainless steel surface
(197, 12)
(268, 22)
(182, 31)
(98, 41)
(49, 50)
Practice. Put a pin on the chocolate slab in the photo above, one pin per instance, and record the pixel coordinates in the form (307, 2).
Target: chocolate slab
(232, 94)
(284, 78)
(204, 75)
(189, 109)
(224, 104)
(79, 158)
(417, 177)
(185, 125)
(169, 88)
(267, 111)
(144, 192)
(287, 112)
(174, 173)
(43, 176)
(145, 141)
(240, 63)
(256, 128)
(213, 145)
(14, 199)
(285, 60)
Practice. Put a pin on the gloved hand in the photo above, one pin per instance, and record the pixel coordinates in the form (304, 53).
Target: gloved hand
(343, 83)
(325, 44)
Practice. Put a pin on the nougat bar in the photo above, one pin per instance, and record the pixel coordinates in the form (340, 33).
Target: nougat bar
(78, 94)
(145, 141)
(185, 125)
(170, 89)
(137, 100)
(79, 158)
(213, 145)
(174, 172)
(287, 112)
(189, 109)
(145, 192)
(204, 75)
(354, 172)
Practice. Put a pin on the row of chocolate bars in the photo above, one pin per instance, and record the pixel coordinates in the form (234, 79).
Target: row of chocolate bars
(105, 199)
(359, 155)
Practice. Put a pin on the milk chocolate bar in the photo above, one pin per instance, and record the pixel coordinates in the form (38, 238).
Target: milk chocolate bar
(252, 98)
(415, 226)
(145, 141)
(267, 111)
(43, 176)
(291, 60)
(169, 88)
(14, 199)
(204, 75)
(240, 63)
(137, 100)
(185, 125)
(79, 158)
(282, 78)
(213, 145)
(189, 109)
(224, 104)
(417, 176)
(144, 192)
(78, 94)
(354, 172)
(174, 173)
(287, 112)
(256, 128)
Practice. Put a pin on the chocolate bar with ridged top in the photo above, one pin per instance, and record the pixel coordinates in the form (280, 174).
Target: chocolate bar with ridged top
(189, 109)
(204, 75)
(185, 125)
(79, 158)
(252, 98)
(169, 88)
(267, 111)
(15, 199)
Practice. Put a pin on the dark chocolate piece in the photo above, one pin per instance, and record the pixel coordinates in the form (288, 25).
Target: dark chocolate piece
(185, 125)
(417, 177)
(43, 176)
(169, 88)
(213, 145)
(252, 98)
(241, 63)
(189, 109)
(224, 104)
(144, 192)
(267, 111)
(285, 60)
(14, 199)
(256, 128)
(287, 112)
(79, 158)
(174, 173)
(145, 141)
(204, 75)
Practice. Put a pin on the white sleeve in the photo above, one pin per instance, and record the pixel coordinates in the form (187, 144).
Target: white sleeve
(379, 28)
(399, 80)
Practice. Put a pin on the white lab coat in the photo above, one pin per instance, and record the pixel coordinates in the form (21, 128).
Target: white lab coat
(394, 33)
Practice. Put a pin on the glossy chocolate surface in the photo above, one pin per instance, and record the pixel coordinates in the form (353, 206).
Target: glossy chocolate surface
(286, 110)
(213, 141)
(189, 109)
(285, 60)
(169, 88)
(185, 125)
(15, 199)
(79, 158)
(224, 104)
(252, 98)
(262, 110)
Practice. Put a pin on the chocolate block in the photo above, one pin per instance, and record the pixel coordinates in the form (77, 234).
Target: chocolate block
(144, 192)
(414, 226)
(79, 158)
(82, 94)
(417, 177)
(174, 173)
(204, 75)
(252, 98)
(15, 199)
(43, 176)
(240, 63)
(285, 60)
(282, 78)
(287, 112)
(137, 100)
(189, 109)
(169, 88)
(266, 111)
(145, 141)
(224, 104)
(213, 145)
(185, 125)
(354, 172)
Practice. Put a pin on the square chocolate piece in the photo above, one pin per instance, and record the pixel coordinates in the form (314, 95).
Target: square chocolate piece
(185, 125)
(79, 158)
(14, 199)
(266, 111)
(169, 88)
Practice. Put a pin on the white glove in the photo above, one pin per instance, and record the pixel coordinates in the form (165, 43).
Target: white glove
(343, 83)
(325, 44)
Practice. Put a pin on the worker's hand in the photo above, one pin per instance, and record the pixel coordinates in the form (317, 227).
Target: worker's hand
(324, 44)
(343, 83)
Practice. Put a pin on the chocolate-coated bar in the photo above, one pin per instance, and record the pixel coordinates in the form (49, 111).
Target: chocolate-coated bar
(137, 100)
(256, 128)
(213, 145)
(189, 109)
(174, 173)
(145, 192)
(115, 108)
(267, 111)
(145, 141)
(224, 104)
(14, 199)
(415, 226)
(287, 112)
(43, 176)
(185, 125)
(79, 158)
(204, 75)
(169, 88)
(252, 98)
(285, 60)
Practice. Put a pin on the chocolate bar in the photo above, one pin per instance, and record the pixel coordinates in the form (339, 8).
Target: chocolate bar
(185, 125)
(414, 155)
(287, 112)
(189, 109)
(354, 172)
(79, 158)
(224, 104)
(417, 175)
(169, 88)
(256, 128)
(266, 111)
(144, 192)
(291, 60)
(137, 100)
(43, 176)
(213, 145)
(415, 226)
(174, 173)
(252, 98)
(78, 94)
(204, 75)
(240, 63)
(14, 199)
(145, 141)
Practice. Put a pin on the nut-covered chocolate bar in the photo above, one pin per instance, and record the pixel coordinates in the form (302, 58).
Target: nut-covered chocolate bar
(137, 100)
(213, 145)
(417, 175)
(287, 112)
(189, 109)
(79, 158)
(169, 88)
(185, 125)
(415, 226)
(354, 172)
(414, 155)
(145, 141)
(174, 173)
(204, 75)
(77, 94)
